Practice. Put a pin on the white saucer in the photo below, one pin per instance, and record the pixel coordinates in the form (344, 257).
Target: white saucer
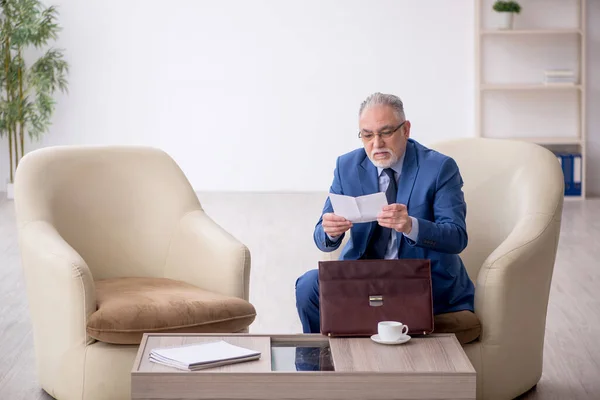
(377, 339)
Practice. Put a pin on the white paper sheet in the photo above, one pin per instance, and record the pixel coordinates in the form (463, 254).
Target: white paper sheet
(358, 209)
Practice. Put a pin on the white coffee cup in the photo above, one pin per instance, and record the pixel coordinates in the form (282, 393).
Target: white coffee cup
(391, 331)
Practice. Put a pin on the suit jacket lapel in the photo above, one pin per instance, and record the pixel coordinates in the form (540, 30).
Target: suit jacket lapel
(369, 184)
(367, 174)
(410, 167)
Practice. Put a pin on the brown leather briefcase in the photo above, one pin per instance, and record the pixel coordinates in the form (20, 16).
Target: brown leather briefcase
(355, 295)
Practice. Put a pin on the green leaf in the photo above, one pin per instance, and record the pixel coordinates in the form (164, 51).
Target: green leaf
(26, 92)
(507, 6)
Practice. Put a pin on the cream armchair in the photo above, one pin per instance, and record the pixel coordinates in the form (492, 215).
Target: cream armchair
(514, 194)
(92, 216)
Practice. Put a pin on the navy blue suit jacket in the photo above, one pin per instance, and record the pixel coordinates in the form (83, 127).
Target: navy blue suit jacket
(430, 186)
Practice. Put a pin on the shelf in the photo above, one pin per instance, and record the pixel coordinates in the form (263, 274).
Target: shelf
(539, 86)
(514, 32)
(547, 140)
(574, 198)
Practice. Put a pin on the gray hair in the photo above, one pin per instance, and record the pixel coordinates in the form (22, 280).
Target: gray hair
(384, 99)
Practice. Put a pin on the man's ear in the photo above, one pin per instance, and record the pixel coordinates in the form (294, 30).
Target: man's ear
(406, 128)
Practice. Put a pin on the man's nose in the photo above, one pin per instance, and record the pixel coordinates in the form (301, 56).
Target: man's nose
(378, 141)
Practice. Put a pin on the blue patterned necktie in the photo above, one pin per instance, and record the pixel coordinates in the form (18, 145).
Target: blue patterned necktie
(381, 235)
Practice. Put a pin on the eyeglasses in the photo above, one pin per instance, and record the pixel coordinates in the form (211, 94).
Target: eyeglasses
(367, 136)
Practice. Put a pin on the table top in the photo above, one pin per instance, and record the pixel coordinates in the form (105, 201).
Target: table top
(435, 354)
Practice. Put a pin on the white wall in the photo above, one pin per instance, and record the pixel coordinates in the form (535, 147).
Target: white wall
(262, 94)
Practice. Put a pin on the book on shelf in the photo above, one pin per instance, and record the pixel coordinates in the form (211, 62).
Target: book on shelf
(199, 356)
(559, 76)
(572, 171)
(566, 82)
(559, 72)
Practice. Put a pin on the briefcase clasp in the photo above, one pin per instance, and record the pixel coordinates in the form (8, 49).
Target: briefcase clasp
(375, 301)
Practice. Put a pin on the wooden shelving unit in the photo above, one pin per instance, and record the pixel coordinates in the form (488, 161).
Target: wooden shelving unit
(548, 140)
(532, 32)
(512, 101)
(530, 87)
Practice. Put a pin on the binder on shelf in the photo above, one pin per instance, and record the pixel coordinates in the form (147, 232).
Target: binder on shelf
(567, 172)
(577, 174)
(571, 167)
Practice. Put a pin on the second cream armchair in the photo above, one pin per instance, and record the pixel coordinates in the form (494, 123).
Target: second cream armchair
(115, 243)
(514, 195)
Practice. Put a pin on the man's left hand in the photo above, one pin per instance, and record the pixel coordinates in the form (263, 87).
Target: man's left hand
(395, 216)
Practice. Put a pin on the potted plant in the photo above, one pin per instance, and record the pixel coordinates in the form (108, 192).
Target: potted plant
(26, 103)
(507, 9)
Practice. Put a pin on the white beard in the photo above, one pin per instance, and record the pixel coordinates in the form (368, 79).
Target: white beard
(383, 163)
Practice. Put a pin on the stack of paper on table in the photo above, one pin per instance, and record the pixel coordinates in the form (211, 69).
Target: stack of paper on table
(202, 355)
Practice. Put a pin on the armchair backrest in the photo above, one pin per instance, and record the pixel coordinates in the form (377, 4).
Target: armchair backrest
(117, 206)
(505, 182)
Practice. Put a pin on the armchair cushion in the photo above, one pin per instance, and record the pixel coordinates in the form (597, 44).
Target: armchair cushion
(464, 324)
(128, 307)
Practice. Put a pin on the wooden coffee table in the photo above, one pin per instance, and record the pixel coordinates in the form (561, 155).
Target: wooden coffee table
(312, 367)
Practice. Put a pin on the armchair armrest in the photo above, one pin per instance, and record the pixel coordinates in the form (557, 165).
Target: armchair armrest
(204, 254)
(511, 297)
(61, 294)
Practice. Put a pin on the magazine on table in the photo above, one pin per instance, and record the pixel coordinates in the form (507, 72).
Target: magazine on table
(198, 356)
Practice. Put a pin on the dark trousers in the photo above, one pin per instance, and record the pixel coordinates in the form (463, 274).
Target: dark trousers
(307, 301)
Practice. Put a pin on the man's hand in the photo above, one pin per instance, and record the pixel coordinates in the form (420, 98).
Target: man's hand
(395, 216)
(334, 225)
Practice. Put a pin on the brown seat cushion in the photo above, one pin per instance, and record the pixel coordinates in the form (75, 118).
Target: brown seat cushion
(464, 324)
(128, 307)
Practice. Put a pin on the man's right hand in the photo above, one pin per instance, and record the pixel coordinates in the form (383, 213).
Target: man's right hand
(334, 225)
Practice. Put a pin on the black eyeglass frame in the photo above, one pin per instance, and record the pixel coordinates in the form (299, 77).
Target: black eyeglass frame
(383, 135)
